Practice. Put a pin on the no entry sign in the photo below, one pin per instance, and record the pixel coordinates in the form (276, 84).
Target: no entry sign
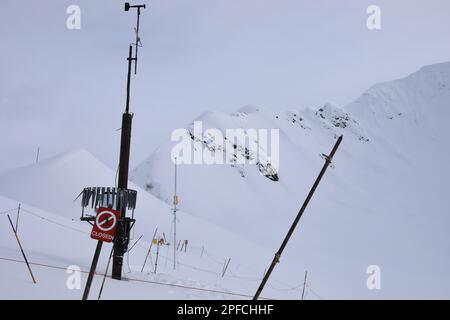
(105, 224)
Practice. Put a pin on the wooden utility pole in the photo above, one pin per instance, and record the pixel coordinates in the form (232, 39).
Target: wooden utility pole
(276, 259)
(122, 236)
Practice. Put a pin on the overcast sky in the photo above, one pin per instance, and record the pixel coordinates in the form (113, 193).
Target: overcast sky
(62, 89)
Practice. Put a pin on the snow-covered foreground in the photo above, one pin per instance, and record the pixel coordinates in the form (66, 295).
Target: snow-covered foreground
(383, 203)
(54, 239)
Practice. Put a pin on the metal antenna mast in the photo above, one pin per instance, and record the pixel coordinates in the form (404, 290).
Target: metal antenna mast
(138, 42)
(175, 203)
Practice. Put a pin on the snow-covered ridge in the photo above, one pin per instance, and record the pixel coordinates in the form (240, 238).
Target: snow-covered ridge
(419, 94)
(328, 117)
(420, 99)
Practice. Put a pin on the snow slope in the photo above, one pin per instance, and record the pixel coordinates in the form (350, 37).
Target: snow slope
(382, 203)
(53, 236)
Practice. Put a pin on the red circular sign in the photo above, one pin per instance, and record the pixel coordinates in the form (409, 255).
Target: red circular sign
(105, 224)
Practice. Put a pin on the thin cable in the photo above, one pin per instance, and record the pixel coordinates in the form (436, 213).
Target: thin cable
(51, 221)
(143, 281)
(8, 211)
(313, 292)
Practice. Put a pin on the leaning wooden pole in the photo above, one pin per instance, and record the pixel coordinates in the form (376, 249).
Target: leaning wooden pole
(87, 288)
(105, 275)
(304, 284)
(276, 259)
(17, 218)
(225, 267)
(157, 255)
(21, 249)
(149, 250)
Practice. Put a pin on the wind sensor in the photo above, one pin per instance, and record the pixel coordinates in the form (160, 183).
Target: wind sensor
(138, 42)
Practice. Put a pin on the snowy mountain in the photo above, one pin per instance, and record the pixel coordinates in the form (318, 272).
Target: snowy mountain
(382, 203)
